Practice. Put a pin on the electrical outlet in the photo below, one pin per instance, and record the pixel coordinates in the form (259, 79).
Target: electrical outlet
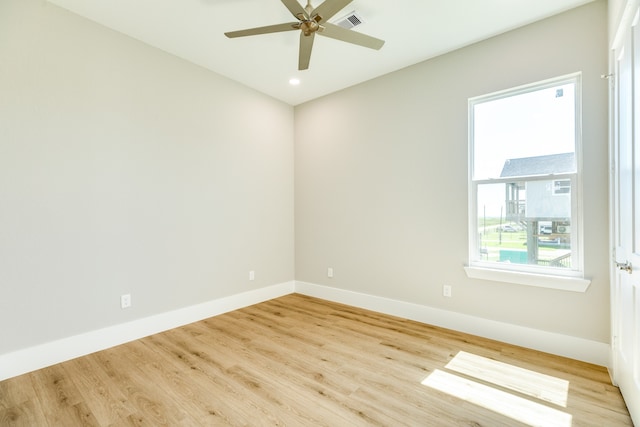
(329, 272)
(252, 275)
(446, 291)
(125, 301)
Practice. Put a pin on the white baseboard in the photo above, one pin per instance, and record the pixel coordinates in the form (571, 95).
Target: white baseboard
(43, 355)
(563, 345)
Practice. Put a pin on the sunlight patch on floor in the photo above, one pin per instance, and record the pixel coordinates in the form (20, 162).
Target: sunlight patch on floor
(544, 387)
(501, 402)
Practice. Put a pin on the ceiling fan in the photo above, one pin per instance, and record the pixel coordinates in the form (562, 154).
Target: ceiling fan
(310, 21)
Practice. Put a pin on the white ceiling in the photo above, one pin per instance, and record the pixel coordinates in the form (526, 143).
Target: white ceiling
(414, 30)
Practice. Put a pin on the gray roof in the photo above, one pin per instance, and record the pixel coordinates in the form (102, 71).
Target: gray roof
(540, 165)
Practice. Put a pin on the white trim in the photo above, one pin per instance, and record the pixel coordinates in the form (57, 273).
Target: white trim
(564, 283)
(562, 345)
(626, 21)
(43, 355)
(47, 354)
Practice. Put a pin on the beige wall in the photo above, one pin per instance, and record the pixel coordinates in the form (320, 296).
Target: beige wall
(126, 170)
(381, 180)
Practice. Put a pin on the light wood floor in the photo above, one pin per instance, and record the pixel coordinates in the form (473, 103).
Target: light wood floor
(300, 361)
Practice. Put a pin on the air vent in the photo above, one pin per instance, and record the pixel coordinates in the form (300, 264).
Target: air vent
(349, 21)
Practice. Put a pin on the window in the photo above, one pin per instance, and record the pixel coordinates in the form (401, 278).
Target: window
(561, 186)
(524, 180)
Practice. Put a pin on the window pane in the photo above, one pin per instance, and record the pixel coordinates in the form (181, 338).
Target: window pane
(526, 125)
(524, 222)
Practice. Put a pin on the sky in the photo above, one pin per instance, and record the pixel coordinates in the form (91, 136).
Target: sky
(528, 124)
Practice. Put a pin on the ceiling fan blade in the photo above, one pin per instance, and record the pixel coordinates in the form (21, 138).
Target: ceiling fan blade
(294, 7)
(306, 44)
(329, 8)
(339, 33)
(290, 26)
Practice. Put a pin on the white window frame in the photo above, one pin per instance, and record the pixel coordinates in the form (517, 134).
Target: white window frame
(547, 277)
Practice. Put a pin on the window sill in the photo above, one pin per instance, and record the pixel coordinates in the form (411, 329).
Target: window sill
(565, 283)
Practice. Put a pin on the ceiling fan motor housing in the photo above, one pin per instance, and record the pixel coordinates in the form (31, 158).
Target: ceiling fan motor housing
(308, 27)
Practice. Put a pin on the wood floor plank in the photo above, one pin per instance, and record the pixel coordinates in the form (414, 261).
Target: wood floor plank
(302, 361)
(21, 390)
(206, 384)
(138, 388)
(27, 413)
(252, 402)
(106, 399)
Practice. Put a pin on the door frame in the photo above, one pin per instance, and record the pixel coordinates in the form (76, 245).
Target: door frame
(629, 10)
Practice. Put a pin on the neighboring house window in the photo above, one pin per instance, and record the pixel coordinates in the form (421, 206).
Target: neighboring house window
(561, 186)
(524, 179)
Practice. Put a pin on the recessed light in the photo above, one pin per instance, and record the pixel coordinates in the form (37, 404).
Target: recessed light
(294, 81)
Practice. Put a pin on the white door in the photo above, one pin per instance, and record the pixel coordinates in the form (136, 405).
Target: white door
(625, 292)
